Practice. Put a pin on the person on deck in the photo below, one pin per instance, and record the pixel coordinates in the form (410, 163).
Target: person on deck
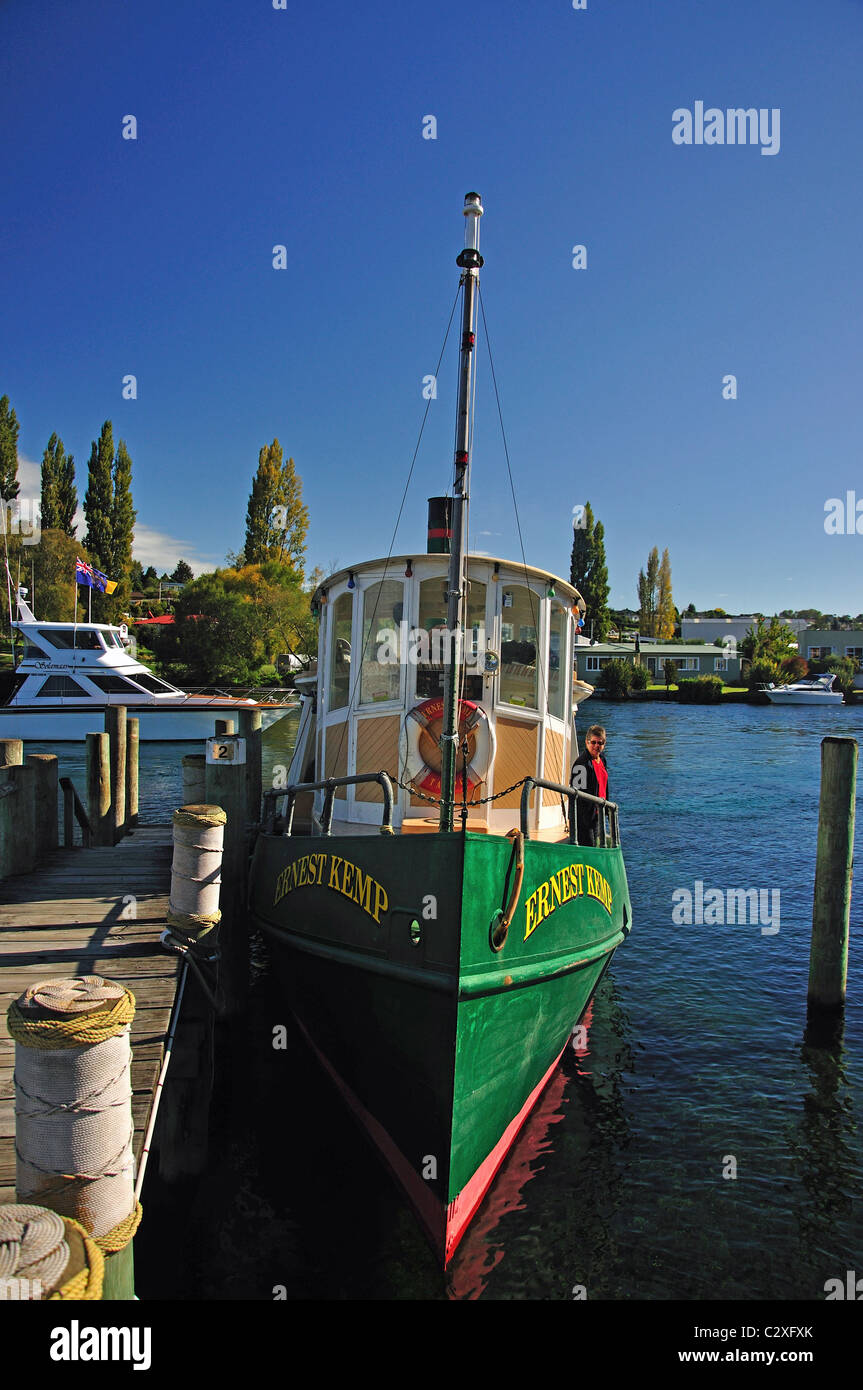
(590, 774)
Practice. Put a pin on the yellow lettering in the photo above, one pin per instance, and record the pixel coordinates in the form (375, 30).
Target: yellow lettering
(530, 918)
(348, 878)
(543, 903)
(576, 872)
(363, 890)
(302, 871)
(334, 871)
(555, 889)
(381, 902)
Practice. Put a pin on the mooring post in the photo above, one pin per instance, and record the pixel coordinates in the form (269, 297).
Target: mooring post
(11, 756)
(45, 791)
(250, 730)
(17, 819)
(73, 1111)
(132, 764)
(194, 779)
(226, 787)
(99, 789)
(224, 726)
(115, 728)
(193, 919)
(828, 958)
(11, 752)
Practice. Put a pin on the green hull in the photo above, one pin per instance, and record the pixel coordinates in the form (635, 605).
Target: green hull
(439, 1043)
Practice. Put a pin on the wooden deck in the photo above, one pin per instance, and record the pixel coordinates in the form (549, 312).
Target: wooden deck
(67, 919)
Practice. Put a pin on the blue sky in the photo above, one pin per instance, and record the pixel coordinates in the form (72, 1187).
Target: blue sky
(304, 127)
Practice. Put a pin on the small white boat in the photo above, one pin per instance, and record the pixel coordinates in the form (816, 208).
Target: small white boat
(814, 692)
(68, 673)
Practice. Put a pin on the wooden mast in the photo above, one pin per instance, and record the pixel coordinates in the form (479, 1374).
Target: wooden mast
(470, 261)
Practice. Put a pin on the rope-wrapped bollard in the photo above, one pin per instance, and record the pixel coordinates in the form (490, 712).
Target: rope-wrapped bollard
(196, 870)
(73, 1111)
(44, 1256)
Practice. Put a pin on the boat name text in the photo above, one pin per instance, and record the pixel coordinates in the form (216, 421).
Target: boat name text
(331, 871)
(572, 881)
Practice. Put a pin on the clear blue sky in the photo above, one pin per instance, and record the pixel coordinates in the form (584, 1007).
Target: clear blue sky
(304, 126)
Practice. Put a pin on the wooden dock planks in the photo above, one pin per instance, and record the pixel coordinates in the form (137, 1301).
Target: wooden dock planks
(73, 916)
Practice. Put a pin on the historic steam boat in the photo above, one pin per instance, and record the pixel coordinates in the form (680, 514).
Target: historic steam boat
(437, 946)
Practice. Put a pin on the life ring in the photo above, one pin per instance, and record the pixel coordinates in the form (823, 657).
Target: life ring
(420, 753)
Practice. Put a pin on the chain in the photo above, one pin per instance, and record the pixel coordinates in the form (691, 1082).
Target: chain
(436, 801)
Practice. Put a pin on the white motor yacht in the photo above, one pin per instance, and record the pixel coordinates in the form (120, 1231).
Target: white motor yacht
(814, 692)
(67, 673)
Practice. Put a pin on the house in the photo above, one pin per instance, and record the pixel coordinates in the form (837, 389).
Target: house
(695, 660)
(710, 629)
(816, 644)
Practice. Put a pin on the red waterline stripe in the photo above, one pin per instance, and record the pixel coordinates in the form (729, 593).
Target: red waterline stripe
(428, 1208)
(436, 535)
(461, 1209)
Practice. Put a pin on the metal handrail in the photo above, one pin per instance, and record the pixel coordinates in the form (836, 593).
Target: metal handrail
(328, 786)
(572, 794)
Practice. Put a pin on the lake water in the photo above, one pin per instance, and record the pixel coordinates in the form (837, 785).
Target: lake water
(697, 1064)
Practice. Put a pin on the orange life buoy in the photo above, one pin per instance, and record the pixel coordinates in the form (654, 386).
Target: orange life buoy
(421, 755)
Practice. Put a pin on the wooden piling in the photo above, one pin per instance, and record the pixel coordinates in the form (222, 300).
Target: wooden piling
(828, 959)
(11, 752)
(224, 726)
(99, 789)
(45, 788)
(226, 787)
(250, 730)
(194, 779)
(132, 762)
(115, 728)
(17, 820)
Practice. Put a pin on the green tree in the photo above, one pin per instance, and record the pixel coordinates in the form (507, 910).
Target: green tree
(276, 518)
(588, 572)
(8, 451)
(59, 495)
(665, 600)
(183, 573)
(669, 669)
(122, 531)
(99, 499)
(771, 644)
(647, 595)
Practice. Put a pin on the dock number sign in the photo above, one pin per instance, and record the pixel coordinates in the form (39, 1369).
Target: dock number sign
(227, 749)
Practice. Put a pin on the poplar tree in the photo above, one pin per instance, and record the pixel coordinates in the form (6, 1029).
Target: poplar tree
(59, 497)
(647, 595)
(665, 602)
(122, 530)
(8, 451)
(99, 500)
(588, 572)
(276, 518)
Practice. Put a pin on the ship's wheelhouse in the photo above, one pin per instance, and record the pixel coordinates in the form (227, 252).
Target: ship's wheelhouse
(381, 654)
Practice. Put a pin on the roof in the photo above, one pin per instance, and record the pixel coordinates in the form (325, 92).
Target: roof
(396, 565)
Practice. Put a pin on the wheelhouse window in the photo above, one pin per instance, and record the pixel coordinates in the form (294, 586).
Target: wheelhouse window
(431, 643)
(29, 650)
(80, 638)
(113, 685)
(556, 663)
(152, 683)
(62, 686)
(341, 617)
(383, 611)
(520, 619)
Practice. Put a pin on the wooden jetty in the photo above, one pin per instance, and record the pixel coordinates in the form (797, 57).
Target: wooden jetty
(97, 911)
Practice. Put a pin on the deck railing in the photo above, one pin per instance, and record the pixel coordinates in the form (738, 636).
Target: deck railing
(609, 823)
(328, 787)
